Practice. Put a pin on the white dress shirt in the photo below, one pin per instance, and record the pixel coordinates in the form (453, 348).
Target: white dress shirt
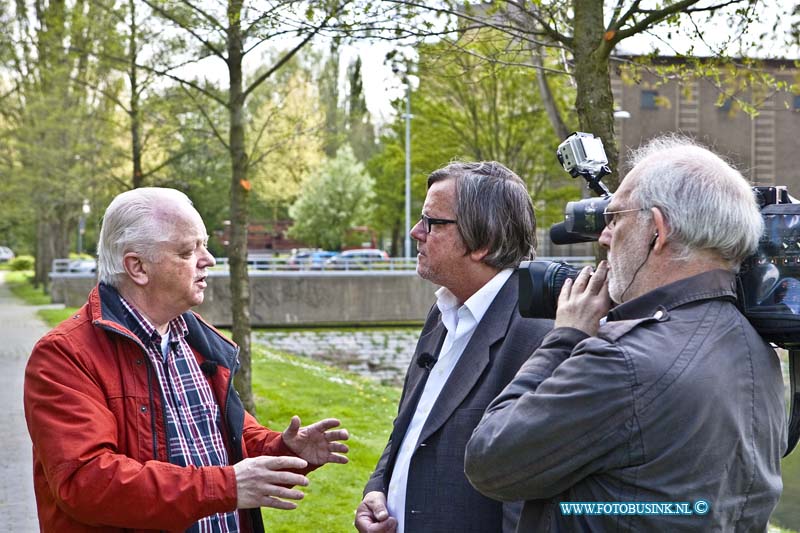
(460, 323)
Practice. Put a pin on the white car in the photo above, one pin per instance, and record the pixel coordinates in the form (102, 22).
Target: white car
(88, 266)
(6, 254)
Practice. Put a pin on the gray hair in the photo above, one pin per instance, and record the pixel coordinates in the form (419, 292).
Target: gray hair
(494, 211)
(135, 221)
(708, 204)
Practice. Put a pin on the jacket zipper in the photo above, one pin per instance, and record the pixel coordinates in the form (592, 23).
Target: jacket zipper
(235, 449)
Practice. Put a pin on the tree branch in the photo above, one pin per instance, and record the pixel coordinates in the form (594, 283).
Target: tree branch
(214, 22)
(210, 122)
(264, 16)
(627, 16)
(657, 15)
(289, 55)
(549, 30)
(166, 162)
(169, 16)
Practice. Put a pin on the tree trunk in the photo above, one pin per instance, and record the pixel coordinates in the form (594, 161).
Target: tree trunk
(594, 101)
(136, 140)
(237, 251)
(546, 94)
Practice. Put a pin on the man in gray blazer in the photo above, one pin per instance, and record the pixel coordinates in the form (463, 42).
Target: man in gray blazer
(477, 225)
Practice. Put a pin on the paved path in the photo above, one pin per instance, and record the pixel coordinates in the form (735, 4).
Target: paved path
(20, 328)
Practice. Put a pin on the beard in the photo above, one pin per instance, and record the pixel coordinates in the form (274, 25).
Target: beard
(625, 265)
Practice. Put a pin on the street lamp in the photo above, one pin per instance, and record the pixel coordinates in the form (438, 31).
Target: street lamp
(407, 246)
(85, 210)
(401, 63)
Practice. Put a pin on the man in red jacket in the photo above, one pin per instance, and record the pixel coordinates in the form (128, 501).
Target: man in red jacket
(130, 403)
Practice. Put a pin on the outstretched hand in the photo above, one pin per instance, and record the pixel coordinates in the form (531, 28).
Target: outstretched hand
(318, 443)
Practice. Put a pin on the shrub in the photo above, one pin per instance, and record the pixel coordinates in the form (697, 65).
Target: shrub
(21, 262)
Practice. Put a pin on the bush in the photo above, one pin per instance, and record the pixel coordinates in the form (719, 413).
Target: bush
(21, 262)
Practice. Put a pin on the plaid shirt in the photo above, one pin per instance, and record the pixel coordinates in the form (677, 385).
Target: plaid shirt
(192, 413)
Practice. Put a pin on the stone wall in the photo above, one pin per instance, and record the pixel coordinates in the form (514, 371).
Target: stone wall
(293, 298)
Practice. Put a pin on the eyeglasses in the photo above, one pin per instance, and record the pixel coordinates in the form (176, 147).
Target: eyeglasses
(610, 216)
(429, 222)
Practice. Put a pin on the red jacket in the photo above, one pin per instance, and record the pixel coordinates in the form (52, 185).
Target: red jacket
(94, 413)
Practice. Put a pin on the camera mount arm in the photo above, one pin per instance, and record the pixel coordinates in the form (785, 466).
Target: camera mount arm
(593, 180)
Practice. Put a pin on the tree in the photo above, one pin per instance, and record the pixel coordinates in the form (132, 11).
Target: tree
(360, 130)
(334, 199)
(288, 139)
(58, 116)
(333, 136)
(469, 108)
(586, 32)
(347, 119)
(228, 32)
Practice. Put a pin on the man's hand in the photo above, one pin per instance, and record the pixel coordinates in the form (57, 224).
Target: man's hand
(259, 482)
(585, 301)
(315, 443)
(372, 515)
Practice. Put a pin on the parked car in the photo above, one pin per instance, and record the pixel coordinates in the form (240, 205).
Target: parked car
(313, 260)
(359, 259)
(6, 254)
(88, 266)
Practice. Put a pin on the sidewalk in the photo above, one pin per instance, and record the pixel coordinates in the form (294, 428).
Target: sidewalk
(20, 328)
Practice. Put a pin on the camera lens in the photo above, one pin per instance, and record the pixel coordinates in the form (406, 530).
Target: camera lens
(540, 283)
(584, 218)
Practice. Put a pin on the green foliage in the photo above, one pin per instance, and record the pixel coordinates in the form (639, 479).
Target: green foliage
(287, 145)
(744, 84)
(550, 202)
(58, 123)
(200, 165)
(334, 199)
(284, 386)
(22, 262)
(470, 108)
(360, 131)
(388, 167)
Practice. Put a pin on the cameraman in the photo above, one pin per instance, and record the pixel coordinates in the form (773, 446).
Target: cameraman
(674, 398)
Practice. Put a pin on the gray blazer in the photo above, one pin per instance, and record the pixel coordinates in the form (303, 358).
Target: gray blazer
(439, 498)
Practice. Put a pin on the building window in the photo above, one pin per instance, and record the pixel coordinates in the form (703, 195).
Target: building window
(649, 99)
(797, 102)
(726, 105)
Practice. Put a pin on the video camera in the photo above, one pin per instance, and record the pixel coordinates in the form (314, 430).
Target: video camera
(768, 281)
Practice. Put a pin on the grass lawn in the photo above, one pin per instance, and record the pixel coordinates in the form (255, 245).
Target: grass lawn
(20, 285)
(286, 385)
(53, 317)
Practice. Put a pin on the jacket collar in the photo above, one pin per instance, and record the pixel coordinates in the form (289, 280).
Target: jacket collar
(708, 285)
(108, 312)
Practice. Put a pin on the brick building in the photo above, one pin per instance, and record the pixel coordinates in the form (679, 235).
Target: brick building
(764, 147)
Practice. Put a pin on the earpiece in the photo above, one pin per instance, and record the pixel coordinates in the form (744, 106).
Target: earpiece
(655, 238)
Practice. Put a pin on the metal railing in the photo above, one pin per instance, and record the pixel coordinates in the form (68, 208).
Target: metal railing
(282, 264)
(266, 264)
